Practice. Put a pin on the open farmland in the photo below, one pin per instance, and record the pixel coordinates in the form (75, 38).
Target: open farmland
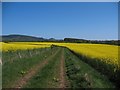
(60, 65)
(21, 46)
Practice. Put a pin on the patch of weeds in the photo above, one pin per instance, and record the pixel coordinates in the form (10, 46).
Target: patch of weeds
(22, 72)
(55, 79)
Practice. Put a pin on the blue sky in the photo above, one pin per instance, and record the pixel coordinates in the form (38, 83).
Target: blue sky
(59, 20)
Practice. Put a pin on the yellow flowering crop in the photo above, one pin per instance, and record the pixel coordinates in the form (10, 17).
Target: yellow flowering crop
(20, 46)
(104, 52)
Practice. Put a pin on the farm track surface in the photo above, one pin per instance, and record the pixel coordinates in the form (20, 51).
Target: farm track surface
(33, 71)
(0, 61)
(58, 70)
(62, 70)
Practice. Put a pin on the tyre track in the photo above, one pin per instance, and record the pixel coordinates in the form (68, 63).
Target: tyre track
(33, 71)
(62, 70)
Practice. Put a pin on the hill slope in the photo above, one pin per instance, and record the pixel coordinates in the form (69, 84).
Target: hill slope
(8, 38)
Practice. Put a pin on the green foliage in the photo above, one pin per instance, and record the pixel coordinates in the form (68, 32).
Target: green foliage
(48, 76)
(109, 70)
(15, 67)
(81, 75)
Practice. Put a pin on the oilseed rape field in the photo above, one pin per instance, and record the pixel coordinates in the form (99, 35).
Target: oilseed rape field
(102, 58)
(106, 53)
(20, 46)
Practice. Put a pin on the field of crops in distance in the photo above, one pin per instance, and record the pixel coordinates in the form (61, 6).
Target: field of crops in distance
(21, 46)
(101, 57)
(102, 51)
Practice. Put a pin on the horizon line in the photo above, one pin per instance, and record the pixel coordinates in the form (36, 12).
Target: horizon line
(58, 38)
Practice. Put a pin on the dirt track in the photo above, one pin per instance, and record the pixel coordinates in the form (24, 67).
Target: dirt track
(33, 71)
(62, 72)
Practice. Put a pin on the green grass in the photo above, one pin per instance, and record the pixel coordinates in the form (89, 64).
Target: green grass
(0, 76)
(81, 75)
(15, 69)
(78, 73)
(0, 71)
(47, 77)
(11, 56)
(110, 70)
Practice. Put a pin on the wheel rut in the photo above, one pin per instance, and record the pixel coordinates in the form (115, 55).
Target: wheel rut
(62, 70)
(33, 71)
